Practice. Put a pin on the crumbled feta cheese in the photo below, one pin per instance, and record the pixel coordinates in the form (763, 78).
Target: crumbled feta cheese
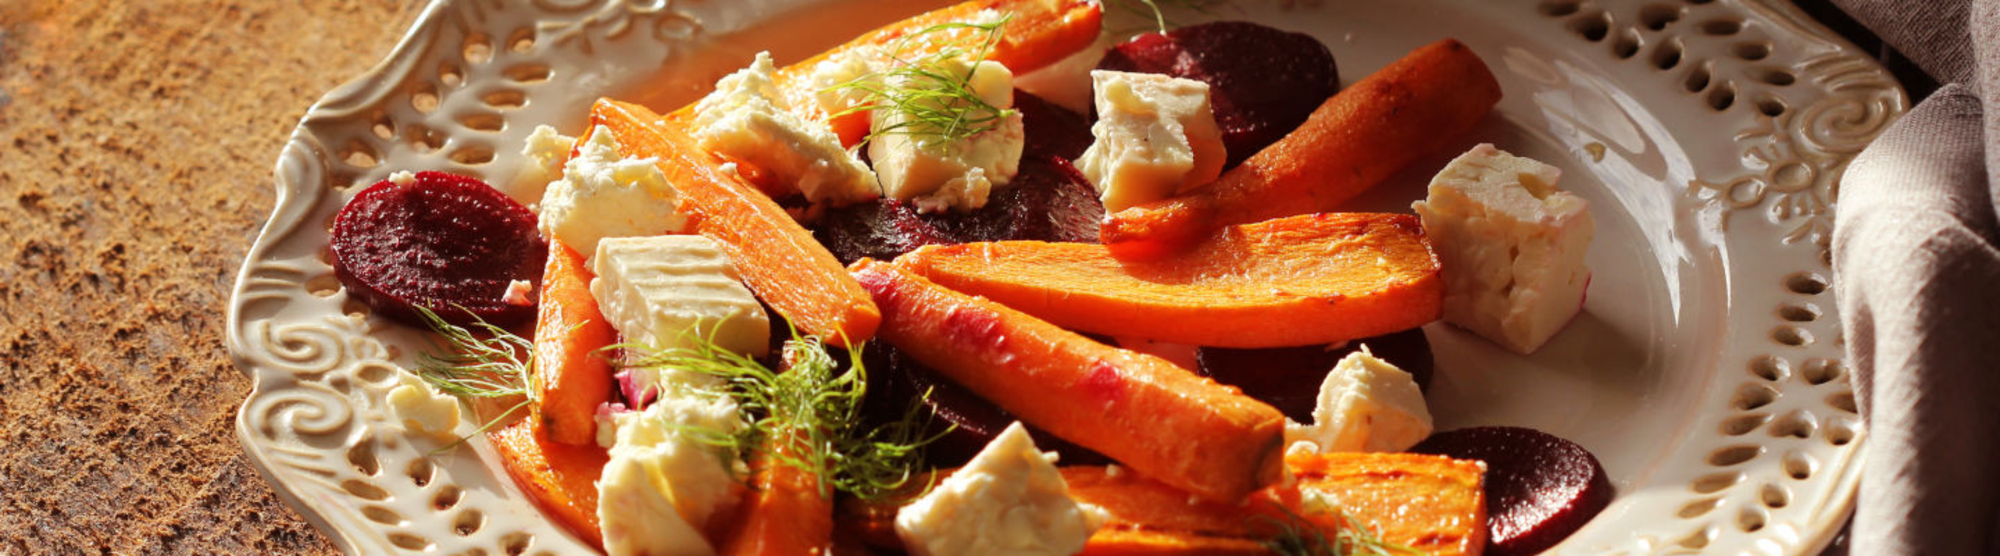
(1156, 137)
(660, 291)
(851, 66)
(422, 409)
(1510, 246)
(402, 177)
(517, 293)
(919, 167)
(1365, 405)
(603, 194)
(543, 158)
(662, 485)
(746, 119)
(1008, 500)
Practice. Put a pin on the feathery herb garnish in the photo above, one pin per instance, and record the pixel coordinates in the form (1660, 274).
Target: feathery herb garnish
(926, 94)
(816, 407)
(1298, 536)
(501, 365)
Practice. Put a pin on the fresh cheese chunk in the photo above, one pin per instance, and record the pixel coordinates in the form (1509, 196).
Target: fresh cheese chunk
(602, 194)
(422, 409)
(1008, 500)
(832, 76)
(1156, 137)
(1365, 405)
(661, 291)
(662, 486)
(917, 165)
(746, 119)
(543, 158)
(1510, 246)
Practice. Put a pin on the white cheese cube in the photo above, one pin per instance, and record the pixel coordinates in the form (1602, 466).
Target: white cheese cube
(915, 164)
(1510, 246)
(661, 291)
(1008, 500)
(542, 162)
(662, 485)
(602, 194)
(1365, 405)
(747, 119)
(422, 409)
(1156, 138)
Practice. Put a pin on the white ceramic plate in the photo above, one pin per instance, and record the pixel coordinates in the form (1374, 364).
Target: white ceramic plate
(1709, 137)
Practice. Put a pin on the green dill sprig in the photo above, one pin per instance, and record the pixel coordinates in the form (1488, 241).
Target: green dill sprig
(812, 407)
(936, 104)
(1298, 536)
(499, 365)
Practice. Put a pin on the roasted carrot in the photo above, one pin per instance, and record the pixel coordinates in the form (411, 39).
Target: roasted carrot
(569, 330)
(786, 514)
(560, 478)
(1309, 279)
(1185, 430)
(1353, 141)
(779, 260)
(1433, 504)
(1037, 33)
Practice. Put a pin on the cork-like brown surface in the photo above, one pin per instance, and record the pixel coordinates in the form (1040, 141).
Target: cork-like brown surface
(136, 146)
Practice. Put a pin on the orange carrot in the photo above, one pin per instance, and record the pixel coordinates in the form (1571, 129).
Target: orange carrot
(1037, 33)
(1434, 504)
(784, 515)
(1310, 279)
(569, 330)
(1353, 141)
(560, 478)
(1185, 430)
(1430, 503)
(779, 260)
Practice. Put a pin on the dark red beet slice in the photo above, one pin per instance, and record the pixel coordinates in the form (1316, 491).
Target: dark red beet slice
(442, 242)
(894, 380)
(1051, 129)
(1263, 82)
(881, 230)
(1539, 488)
(1289, 378)
(1049, 200)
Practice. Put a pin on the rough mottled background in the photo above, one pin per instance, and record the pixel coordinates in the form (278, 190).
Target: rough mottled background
(136, 145)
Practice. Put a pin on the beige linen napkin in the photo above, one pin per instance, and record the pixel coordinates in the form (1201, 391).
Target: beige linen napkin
(1917, 272)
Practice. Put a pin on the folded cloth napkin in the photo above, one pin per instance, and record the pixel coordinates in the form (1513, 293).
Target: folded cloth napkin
(1916, 256)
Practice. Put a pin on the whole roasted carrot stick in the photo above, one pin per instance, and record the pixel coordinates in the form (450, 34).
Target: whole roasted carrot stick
(779, 260)
(1300, 280)
(1356, 139)
(1164, 421)
(569, 329)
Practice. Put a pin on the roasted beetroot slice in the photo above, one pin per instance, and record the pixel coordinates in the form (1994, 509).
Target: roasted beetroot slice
(880, 229)
(1049, 200)
(1288, 378)
(1263, 82)
(971, 420)
(1051, 129)
(443, 242)
(1539, 488)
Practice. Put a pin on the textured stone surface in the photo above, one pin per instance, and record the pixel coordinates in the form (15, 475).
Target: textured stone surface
(136, 145)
